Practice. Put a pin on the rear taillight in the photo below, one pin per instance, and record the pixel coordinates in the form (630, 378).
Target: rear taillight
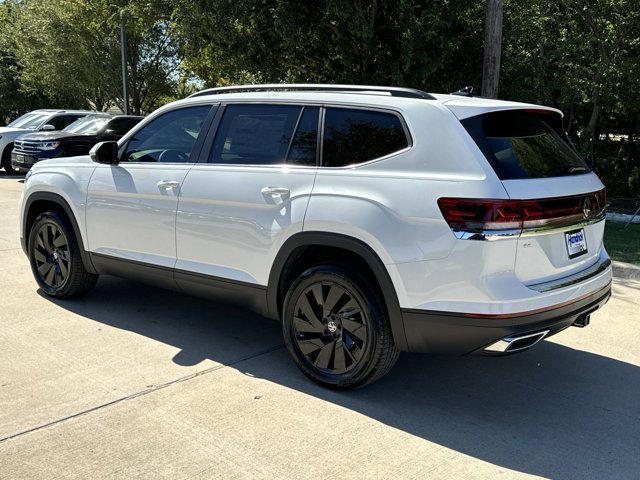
(477, 216)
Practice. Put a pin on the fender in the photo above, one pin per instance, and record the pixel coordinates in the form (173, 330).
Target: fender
(347, 243)
(62, 203)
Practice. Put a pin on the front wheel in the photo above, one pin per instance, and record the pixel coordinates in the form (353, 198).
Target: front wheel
(6, 161)
(55, 258)
(336, 328)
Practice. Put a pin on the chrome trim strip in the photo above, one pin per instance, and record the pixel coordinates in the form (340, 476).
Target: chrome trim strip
(487, 235)
(502, 345)
(600, 266)
(491, 235)
(563, 226)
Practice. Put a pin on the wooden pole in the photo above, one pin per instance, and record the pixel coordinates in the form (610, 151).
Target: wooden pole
(123, 55)
(492, 48)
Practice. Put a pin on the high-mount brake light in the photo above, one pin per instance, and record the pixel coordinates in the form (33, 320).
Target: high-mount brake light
(480, 216)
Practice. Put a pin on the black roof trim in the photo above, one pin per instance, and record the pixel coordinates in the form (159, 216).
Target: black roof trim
(312, 87)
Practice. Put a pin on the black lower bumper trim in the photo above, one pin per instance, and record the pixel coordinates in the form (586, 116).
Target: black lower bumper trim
(461, 334)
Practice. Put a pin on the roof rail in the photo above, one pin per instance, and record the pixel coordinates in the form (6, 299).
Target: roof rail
(318, 87)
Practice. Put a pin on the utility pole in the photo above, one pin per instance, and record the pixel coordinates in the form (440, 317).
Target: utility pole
(492, 48)
(125, 75)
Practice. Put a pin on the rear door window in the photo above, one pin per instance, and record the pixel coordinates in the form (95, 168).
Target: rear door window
(353, 136)
(525, 144)
(305, 141)
(62, 121)
(253, 134)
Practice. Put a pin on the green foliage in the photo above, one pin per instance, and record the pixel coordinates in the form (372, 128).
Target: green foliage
(581, 56)
(71, 49)
(370, 42)
(623, 244)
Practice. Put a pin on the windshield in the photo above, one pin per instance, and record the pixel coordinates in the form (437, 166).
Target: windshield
(87, 125)
(525, 144)
(29, 121)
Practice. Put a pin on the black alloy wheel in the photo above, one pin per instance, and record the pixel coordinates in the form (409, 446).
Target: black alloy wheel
(5, 161)
(330, 327)
(52, 255)
(56, 257)
(336, 327)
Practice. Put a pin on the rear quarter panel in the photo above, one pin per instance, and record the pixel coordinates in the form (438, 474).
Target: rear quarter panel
(391, 203)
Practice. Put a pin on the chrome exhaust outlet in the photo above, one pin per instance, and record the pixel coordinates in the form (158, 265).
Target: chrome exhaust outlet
(515, 344)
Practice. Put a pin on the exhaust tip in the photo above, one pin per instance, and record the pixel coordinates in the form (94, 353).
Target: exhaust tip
(516, 343)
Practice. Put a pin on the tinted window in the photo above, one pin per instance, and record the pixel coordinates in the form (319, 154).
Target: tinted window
(525, 144)
(87, 125)
(305, 141)
(254, 134)
(120, 126)
(61, 121)
(354, 136)
(26, 119)
(31, 123)
(168, 138)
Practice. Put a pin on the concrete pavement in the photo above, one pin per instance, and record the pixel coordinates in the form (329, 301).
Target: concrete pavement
(135, 382)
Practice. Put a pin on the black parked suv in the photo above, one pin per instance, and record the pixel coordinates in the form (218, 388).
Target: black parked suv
(75, 139)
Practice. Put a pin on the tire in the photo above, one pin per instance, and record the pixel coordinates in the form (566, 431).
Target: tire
(336, 328)
(6, 160)
(55, 258)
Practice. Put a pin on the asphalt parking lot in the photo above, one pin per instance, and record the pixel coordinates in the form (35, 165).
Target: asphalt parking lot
(136, 382)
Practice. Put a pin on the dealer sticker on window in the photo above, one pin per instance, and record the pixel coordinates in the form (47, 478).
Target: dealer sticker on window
(576, 243)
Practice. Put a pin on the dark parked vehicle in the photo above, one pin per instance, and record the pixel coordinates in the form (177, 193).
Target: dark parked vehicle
(75, 139)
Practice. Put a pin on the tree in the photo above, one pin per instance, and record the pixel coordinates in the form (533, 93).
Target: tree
(14, 98)
(365, 41)
(66, 46)
(154, 53)
(72, 47)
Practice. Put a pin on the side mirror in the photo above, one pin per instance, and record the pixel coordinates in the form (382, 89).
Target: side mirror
(105, 152)
(47, 127)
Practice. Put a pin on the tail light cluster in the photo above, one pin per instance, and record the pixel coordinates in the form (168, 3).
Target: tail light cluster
(483, 215)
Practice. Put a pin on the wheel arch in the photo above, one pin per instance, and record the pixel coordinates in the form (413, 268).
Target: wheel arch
(353, 247)
(5, 153)
(39, 202)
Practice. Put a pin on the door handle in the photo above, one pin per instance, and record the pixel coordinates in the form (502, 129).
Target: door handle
(273, 191)
(168, 184)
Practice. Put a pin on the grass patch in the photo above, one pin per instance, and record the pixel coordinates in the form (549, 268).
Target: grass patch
(623, 245)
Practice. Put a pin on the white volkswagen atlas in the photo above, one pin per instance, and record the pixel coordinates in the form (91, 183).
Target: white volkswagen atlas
(368, 220)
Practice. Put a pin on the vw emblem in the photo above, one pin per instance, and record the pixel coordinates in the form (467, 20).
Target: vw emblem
(332, 327)
(586, 207)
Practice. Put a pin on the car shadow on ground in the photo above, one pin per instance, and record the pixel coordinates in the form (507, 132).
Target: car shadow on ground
(10, 176)
(553, 411)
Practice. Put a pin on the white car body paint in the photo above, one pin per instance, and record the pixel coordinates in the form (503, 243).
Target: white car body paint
(218, 222)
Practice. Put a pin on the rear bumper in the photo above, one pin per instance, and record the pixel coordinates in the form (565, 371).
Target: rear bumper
(461, 334)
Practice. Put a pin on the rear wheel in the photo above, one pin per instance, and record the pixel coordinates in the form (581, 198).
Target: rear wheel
(6, 160)
(55, 258)
(336, 329)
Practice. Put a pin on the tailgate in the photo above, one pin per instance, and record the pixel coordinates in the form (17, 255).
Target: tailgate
(562, 200)
(568, 243)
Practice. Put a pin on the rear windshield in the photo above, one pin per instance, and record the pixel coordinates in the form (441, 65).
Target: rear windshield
(525, 144)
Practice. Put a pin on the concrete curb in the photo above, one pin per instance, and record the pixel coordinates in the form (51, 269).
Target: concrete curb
(626, 270)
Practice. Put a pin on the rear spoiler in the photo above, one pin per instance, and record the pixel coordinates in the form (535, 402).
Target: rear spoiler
(465, 107)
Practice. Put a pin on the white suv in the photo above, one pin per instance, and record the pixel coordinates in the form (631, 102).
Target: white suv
(369, 220)
(36, 120)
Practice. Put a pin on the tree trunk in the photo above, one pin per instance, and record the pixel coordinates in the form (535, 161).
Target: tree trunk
(596, 98)
(492, 48)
